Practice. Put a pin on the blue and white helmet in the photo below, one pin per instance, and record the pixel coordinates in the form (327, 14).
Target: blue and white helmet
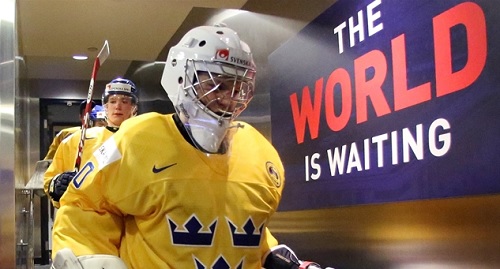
(120, 86)
(218, 51)
(98, 113)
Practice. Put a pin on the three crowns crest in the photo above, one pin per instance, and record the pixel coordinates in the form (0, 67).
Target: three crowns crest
(193, 233)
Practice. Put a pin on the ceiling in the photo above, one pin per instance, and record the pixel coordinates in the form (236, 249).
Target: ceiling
(138, 31)
(51, 31)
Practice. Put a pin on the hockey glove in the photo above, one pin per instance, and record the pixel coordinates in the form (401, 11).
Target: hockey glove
(282, 257)
(59, 184)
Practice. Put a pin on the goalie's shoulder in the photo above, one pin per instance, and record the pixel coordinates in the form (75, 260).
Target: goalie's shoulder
(248, 132)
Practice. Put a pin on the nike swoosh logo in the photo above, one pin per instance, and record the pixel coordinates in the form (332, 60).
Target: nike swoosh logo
(158, 170)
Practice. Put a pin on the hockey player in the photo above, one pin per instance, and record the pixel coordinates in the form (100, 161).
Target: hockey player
(61, 135)
(120, 103)
(98, 117)
(193, 189)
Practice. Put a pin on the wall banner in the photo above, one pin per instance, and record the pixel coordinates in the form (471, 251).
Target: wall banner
(382, 101)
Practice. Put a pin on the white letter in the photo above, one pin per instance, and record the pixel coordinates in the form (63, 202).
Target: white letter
(356, 28)
(379, 139)
(394, 143)
(416, 145)
(336, 161)
(338, 30)
(367, 153)
(372, 17)
(307, 167)
(354, 160)
(445, 138)
(315, 166)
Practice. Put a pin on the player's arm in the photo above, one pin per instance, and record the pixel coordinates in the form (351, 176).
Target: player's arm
(84, 203)
(281, 256)
(60, 172)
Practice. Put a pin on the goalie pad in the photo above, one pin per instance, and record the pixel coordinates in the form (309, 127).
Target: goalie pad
(66, 259)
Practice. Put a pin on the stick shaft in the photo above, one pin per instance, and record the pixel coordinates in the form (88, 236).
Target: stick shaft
(99, 60)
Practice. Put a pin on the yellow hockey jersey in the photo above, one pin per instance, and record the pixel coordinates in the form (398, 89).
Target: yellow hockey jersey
(172, 205)
(61, 135)
(65, 157)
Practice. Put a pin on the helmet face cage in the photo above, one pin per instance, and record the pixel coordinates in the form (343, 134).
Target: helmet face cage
(209, 76)
(221, 90)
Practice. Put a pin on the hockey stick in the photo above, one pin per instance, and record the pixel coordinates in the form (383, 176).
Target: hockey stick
(99, 60)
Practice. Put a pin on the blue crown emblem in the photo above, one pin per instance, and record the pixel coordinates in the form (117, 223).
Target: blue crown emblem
(192, 233)
(250, 237)
(220, 263)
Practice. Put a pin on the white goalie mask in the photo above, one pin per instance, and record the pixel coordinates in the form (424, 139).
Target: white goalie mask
(209, 76)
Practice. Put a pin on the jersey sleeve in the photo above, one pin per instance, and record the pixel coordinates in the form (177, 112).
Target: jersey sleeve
(86, 222)
(63, 161)
(274, 180)
(65, 157)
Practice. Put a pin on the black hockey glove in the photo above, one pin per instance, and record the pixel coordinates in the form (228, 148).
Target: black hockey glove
(282, 257)
(59, 184)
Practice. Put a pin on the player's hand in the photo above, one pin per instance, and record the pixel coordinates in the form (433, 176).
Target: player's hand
(282, 257)
(59, 184)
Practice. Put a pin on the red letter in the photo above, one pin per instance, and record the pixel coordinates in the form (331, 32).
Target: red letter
(370, 88)
(309, 112)
(404, 97)
(472, 17)
(338, 76)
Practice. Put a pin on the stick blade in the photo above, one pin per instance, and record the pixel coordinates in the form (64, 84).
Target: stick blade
(104, 53)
